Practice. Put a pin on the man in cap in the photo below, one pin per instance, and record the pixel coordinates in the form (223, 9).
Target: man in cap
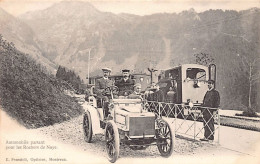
(100, 86)
(125, 85)
(137, 92)
(157, 94)
(210, 104)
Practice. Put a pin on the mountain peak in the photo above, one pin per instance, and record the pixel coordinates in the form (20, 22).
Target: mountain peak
(191, 10)
(73, 6)
(65, 9)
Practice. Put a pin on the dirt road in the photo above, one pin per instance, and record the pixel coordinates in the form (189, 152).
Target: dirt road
(71, 132)
(68, 138)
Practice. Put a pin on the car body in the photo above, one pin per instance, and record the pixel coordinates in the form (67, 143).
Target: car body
(130, 123)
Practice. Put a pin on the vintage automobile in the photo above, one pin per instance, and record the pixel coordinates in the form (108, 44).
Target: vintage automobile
(128, 123)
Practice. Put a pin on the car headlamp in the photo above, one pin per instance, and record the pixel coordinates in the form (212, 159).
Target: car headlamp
(160, 123)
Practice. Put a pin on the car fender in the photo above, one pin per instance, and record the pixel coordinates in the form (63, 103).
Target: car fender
(94, 118)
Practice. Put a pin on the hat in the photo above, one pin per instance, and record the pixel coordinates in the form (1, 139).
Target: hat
(106, 69)
(211, 81)
(125, 70)
(137, 85)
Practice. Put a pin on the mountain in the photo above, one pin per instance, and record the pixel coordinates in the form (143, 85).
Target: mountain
(18, 32)
(67, 30)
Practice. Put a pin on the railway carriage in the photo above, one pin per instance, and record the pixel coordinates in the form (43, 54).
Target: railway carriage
(188, 84)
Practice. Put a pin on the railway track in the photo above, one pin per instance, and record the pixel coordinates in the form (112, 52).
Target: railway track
(240, 122)
(236, 122)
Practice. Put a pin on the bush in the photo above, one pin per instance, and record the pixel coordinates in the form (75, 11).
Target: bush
(250, 112)
(29, 94)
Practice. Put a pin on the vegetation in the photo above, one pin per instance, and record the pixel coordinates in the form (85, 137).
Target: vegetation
(249, 112)
(29, 94)
(204, 59)
(71, 78)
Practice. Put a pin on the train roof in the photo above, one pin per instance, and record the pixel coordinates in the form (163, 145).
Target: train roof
(187, 66)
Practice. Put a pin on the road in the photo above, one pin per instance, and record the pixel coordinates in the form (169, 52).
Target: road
(233, 139)
(236, 146)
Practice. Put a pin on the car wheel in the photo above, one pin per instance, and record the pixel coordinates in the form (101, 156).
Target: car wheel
(165, 142)
(112, 141)
(87, 127)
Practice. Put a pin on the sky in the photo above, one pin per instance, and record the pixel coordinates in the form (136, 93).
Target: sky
(138, 7)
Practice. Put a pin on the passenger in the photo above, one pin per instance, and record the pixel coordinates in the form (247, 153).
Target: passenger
(100, 86)
(158, 94)
(137, 92)
(125, 85)
(171, 96)
(171, 89)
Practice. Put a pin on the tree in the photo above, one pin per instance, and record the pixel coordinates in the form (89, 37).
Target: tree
(61, 73)
(252, 73)
(71, 78)
(204, 59)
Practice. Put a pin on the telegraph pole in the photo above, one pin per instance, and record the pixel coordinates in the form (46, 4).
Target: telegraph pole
(88, 63)
(151, 72)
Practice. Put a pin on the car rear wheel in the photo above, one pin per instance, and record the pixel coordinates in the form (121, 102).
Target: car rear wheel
(112, 141)
(165, 141)
(87, 127)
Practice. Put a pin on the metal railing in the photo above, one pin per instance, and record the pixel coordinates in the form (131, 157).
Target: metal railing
(189, 121)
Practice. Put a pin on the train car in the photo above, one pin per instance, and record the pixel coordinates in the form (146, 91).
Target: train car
(188, 82)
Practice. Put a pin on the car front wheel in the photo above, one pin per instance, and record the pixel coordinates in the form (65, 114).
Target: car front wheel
(87, 127)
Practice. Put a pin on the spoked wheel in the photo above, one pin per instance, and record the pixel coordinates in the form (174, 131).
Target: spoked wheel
(112, 141)
(165, 141)
(87, 127)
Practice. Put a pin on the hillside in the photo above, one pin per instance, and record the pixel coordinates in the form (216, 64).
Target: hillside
(29, 94)
(18, 32)
(65, 32)
(158, 40)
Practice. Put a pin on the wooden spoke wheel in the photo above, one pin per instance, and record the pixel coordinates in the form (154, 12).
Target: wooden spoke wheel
(112, 141)
(87, 127)
(165, 141)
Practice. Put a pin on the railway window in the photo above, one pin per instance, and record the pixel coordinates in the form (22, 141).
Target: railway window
(196, 73)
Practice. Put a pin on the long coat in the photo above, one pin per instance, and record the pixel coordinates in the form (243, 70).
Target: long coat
(125, 86)
(102, 84)
(211, 99)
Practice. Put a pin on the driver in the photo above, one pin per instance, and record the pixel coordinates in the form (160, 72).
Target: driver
(125, 85)
(100, 86)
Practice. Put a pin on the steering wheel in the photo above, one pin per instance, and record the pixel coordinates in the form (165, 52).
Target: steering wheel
(127, 92)
(108, 90)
